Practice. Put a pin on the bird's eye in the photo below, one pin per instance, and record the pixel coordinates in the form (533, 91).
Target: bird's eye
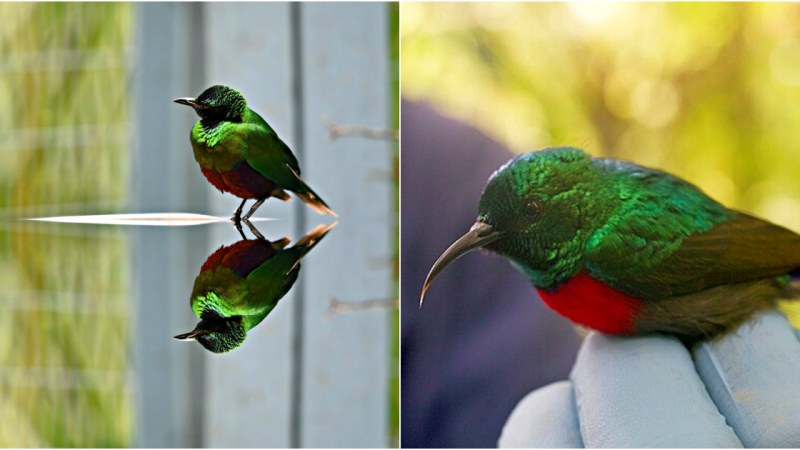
(533, 209)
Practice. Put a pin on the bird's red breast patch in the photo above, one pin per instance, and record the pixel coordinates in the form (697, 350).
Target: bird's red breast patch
(242, 257)
(594, 304)
(242, 181)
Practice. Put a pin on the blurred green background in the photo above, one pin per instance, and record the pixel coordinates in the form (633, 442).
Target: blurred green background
(64, 85)
(707, 91)
(394, 385)
(64, 372)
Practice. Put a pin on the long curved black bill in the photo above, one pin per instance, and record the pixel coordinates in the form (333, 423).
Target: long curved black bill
(479, 235)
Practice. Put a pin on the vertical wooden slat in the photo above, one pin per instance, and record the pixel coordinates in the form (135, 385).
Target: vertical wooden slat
(345, 370)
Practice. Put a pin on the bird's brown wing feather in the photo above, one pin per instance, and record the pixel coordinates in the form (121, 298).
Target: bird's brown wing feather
(741, 249)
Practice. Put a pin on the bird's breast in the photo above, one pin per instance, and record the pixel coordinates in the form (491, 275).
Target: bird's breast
(220, 152)
(241, 180)
(592, 303)
(242, 257)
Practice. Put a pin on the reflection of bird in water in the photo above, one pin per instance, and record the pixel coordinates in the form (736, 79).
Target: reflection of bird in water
(240, 284)
(240, 153)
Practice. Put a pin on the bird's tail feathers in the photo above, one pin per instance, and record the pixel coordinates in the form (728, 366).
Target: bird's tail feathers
(316, 203)
(307, 242)
(309, 197)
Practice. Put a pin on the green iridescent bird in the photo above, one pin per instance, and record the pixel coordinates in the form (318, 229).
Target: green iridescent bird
(240, 284)
(240, 153)
(628, 250)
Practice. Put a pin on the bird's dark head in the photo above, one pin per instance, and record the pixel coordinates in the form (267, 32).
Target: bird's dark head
(534, 211)
(217, 334)
(217, 103)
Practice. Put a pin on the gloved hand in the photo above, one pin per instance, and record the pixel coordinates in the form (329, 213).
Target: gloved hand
(739, 391)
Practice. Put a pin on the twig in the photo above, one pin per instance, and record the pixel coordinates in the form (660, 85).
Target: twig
(336, 307)
(336, 131)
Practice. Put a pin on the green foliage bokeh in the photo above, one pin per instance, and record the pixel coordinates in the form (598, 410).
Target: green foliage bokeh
(64, 132)
(707, 91)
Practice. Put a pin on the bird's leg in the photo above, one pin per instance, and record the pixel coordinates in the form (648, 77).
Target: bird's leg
(238, 214)
(254, 208)
(238, 225)
(253, 229)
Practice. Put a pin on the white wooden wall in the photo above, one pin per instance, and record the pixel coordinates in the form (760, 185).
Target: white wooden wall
(298, 381)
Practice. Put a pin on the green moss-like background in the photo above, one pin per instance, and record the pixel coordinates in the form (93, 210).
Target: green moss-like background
(64, 83)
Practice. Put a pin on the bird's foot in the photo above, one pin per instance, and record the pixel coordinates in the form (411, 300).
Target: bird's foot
(237, 215)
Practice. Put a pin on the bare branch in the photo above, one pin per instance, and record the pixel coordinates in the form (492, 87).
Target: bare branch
(336, 307)
(336, 131)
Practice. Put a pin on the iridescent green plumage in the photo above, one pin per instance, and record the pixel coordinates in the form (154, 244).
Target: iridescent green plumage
(615, 218)
(240, 153)
(679, 261)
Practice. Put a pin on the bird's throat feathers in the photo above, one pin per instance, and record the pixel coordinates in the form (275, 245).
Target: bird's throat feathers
(212, 305)
(212, 131)
(561, 265)
(220, 334)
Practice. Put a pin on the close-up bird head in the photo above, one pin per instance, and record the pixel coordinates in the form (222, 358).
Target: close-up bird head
(217, 103)
(535, 210)
(217, 334)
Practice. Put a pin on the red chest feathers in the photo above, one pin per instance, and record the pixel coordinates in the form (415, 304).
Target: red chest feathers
(242, 181)
(242, 257)
(594, 304)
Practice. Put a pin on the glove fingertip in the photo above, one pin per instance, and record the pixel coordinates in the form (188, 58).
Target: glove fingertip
(545, 418)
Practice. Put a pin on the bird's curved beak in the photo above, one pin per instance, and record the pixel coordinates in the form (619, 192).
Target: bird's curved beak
(189, 336)
(479, 235)
(186, 101)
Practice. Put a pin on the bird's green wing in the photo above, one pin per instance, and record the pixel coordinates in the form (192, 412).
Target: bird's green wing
(252, 118)
(269, 155)
(272, 158)
(651, 261)
(266, 149)
(270, 282)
